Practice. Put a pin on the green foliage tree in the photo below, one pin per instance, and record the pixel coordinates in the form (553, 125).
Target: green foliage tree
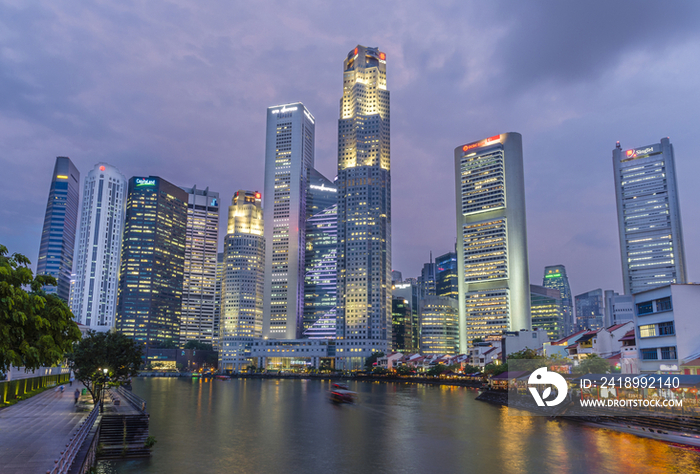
(493, 369)
(199, 346)
(97, 351)
(404, 370)
(593, 364)
(369, 361)
(478, 339)
(437, 369)
(36, 329)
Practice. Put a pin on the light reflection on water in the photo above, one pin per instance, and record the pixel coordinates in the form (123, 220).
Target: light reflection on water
(290, 426)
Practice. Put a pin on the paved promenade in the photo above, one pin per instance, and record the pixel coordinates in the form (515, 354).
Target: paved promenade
(35, 431)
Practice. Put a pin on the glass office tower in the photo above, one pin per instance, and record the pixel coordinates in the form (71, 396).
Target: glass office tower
(556, 279)
(649, 217)
(153, 262)
(60, 223)
(492, 264)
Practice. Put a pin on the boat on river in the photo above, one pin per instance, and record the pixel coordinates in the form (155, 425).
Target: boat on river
(690, 439)
(341, 393)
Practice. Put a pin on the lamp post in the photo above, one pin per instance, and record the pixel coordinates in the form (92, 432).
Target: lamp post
(104, 382)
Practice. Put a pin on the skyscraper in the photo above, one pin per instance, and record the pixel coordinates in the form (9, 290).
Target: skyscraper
(546, 309)
(289, 155)
(426, 279)
(494, 285)
(364, 209)
(60, 222)
(556, 279)
(320, 282)
(243, 280)
(439, 325)
(401, 326)
(94, 294)
(153, 262)
(590, 310)
(446, 275)
(649, 217)
(199, 282)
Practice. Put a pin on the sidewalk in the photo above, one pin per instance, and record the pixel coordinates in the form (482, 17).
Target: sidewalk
(35, 431)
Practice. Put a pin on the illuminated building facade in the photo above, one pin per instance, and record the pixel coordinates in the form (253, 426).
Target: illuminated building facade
(426, 281)
(364, 210)
(289, 155)
(492, 264)
(243, 280)
(199, 285)
(649, 217)
(60, 222)
(320, 283)
(439, 325)
(547, 312)
(217, 303)
(152, 262)
(446, 275)
(556, 279)
(94, 293)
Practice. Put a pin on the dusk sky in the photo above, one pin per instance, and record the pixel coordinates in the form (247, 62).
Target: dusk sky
(180, 90)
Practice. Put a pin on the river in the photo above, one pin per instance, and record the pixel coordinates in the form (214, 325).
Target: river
(261, 426)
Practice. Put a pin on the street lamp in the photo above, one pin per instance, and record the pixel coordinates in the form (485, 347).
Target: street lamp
(104, 382)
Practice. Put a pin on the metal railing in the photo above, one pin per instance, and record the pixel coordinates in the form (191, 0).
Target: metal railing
(136, 401)
(63, 464)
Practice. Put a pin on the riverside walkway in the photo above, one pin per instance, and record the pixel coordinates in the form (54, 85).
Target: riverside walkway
(35, 431)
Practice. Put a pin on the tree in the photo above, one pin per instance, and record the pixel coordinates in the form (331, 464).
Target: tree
(97, 351)
(593, 364)
(166, 344)
(438, 369)
(199, 346)
(493, 369)
(36, 329)
(369, 361)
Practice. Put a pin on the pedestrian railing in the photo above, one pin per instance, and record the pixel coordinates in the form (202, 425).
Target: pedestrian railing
(137, 402)
(64, 463)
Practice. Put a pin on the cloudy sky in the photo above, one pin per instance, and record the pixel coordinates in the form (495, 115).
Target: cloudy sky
(180, 90)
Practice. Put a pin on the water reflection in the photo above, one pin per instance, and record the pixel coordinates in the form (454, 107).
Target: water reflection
(290, 426)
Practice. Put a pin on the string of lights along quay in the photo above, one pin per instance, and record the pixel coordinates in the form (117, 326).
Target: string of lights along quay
(494, 286)
(364, 210)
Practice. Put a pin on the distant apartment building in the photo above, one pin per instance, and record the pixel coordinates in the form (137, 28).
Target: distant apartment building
(410, 291)
(401, 325)
(555, 277)
(649, 217)
(98, 253)
(197, 322)
(492, 261)
(60, 225)
(547, 311)
(152, 262)
(439, 321)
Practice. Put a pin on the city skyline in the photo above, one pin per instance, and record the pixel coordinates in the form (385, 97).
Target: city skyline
(568, 123)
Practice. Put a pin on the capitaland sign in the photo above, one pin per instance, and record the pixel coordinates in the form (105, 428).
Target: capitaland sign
(481, 143)
(145, 182)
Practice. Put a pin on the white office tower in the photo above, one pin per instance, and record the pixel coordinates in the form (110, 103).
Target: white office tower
(289, 155)
(364, 210)
(649, 217)
(243, 281)
(492, 264)
(94, 298)
(197, 320)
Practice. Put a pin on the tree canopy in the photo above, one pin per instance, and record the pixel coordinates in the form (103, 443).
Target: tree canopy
(97, 351)
(593, 364)
(369, 361)
(199, 346)
(36, 329)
